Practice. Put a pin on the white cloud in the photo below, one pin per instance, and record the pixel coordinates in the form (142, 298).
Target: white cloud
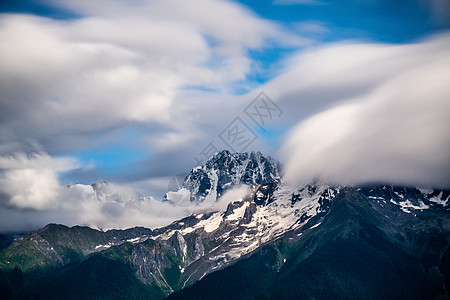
(156, 186)
(81, 205)
(30, 188)
(235, 194)
(311, 27)
(393, 125)
(120, 63)
(116, 206)
(31, 181)
(32, 196)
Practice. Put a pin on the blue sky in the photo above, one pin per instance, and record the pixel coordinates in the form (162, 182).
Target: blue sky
(142, 88)
(375, 20)
(385, 21)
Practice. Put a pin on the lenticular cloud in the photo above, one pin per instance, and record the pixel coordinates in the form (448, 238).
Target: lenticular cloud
(397, 132)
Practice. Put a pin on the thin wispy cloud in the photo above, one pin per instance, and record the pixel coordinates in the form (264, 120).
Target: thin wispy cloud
(297, 2)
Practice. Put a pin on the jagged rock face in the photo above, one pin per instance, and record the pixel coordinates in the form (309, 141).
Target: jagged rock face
(409, 198)
(272, 210)
(226, 170)
(199, 248)
(243, 226)
(46, 248)
(406, 252)
(177, 245)
(149, 259)
(264, 192)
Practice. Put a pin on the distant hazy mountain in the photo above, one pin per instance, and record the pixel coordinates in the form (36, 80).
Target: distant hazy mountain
(106, 192)
(275, 242)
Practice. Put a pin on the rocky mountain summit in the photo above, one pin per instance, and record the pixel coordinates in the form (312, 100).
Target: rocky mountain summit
(225, 171)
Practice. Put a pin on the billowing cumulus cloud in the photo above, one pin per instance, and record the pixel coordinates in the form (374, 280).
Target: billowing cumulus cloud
(31, 181)
(120, 63)
(388, 121)
(155, 76)
(32, 197)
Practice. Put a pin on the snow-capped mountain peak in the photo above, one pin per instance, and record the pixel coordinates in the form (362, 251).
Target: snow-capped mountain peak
(223, 171)
(294, 221)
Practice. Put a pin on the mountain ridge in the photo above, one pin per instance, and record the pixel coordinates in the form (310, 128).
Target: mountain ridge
(294, 223)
